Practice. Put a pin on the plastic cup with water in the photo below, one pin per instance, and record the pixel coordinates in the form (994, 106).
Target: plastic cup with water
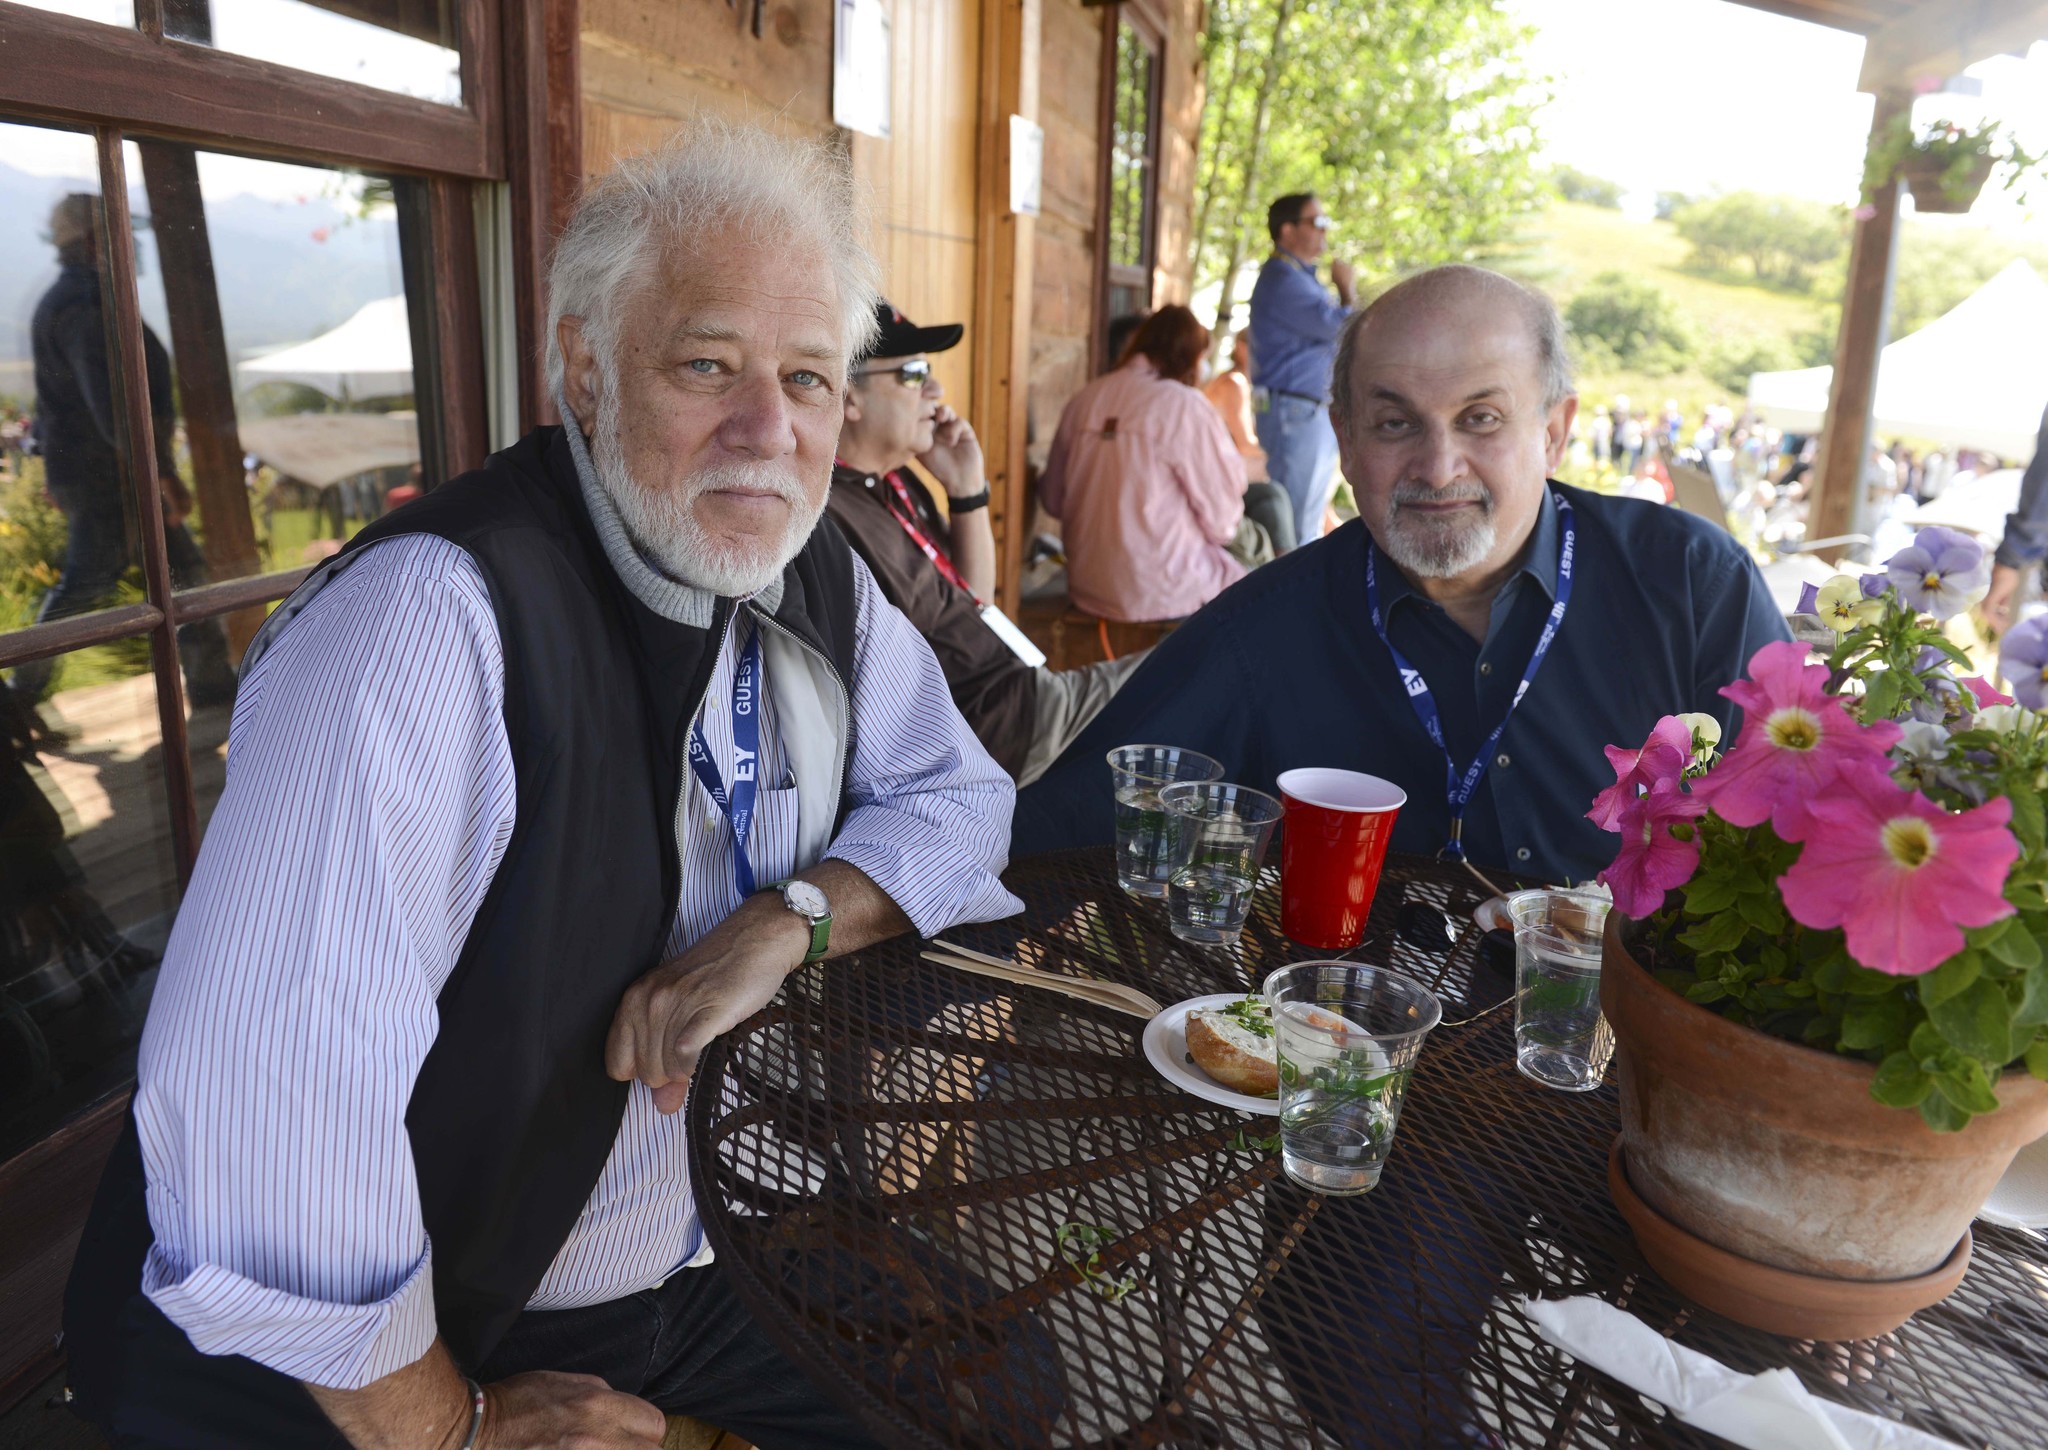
(1561, 1040)
(1347, 1037)
(1218, 836)
(1144, 850)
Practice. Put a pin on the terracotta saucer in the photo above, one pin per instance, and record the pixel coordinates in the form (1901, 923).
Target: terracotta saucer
(1799, 1306)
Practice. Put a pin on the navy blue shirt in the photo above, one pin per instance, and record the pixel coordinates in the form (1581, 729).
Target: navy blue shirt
(1283, 670)
(1294, 327)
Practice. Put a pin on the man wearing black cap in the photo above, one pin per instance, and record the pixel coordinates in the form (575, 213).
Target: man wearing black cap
(940, 570)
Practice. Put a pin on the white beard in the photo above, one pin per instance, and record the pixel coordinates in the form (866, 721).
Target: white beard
(1429, 549)
(664, 527)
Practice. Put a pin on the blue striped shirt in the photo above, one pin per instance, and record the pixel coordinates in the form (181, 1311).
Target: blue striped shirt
(369, 800)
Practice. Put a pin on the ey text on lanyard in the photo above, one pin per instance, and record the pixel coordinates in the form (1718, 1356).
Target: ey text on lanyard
(738, 807)
(1458, 788)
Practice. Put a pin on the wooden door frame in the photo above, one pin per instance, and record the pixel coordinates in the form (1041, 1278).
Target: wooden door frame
(1146, 19)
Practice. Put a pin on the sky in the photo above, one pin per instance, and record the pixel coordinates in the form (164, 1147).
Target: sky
(1704, 95)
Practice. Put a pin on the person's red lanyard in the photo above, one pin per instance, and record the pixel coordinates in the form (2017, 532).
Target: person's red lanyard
(908, 518)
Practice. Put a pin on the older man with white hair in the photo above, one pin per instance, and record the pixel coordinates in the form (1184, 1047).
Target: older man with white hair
(1477, 636)
(547, 780)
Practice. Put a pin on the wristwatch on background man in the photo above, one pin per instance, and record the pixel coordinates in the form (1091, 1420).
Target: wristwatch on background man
(808, 902)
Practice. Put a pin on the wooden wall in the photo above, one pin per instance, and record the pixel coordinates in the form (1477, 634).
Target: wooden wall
(1070, 98)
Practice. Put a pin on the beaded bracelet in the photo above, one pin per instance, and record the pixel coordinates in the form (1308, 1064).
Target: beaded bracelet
(476, 1413)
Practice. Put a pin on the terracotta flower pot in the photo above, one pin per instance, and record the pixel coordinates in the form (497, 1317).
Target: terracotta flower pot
(1923, 177)
(1777, 1153)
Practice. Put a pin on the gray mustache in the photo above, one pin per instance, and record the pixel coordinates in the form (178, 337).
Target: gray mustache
(1457, 493)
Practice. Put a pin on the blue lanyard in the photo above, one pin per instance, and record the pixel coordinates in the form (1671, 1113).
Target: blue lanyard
(1458, 788)
(746, 749)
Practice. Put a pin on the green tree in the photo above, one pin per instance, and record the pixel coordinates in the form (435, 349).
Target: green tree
(1411, 119)
(1729, 362)
(1575, 185)
(1670, 203)
(1618, 321)
(1784, 239)
(1939, 264)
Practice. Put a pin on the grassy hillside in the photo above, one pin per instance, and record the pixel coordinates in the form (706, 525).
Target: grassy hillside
(1570, 244)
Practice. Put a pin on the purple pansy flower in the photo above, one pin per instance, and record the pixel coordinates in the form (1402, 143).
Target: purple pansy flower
(1809, 599)
(2023, 659)
(1874, 585)
(1944, 694)
(1942, 572)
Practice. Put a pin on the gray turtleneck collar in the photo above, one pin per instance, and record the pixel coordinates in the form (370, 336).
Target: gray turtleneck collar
(669, 598)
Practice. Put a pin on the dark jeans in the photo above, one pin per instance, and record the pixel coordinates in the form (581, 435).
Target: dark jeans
(96, 555)
(689, 1346)
(1268, 505)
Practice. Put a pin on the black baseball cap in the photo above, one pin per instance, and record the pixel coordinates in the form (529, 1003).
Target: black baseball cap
(897, 336)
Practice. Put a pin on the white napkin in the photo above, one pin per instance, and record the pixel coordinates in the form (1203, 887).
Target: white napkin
(1770, 1411)
(2020, 1199)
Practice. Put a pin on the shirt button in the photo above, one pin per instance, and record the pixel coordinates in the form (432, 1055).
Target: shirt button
(1502, 760)
(1521, 853)
(1486, 667)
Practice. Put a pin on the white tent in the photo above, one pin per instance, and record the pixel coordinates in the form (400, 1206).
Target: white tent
(324, 448)
(1976, 377)
(368, 356)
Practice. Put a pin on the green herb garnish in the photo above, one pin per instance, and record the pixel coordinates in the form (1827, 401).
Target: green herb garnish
(1252, 1014)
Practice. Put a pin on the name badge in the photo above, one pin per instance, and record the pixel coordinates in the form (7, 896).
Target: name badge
(1006, 631)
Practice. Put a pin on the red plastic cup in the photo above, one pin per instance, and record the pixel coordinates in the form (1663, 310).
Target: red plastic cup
(1333, 843)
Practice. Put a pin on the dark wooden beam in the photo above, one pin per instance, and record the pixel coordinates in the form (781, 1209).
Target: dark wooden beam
(1937, 39)
(131, 373)
(209, 600)
(1866, 308)
(58, 67)
(206, 385)
(543, 111)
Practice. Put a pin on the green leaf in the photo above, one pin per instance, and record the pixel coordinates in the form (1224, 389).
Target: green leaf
(1977, 1022)
(1968, 1087)
(1942, 1115)
(1880, 695)
(1718, 933)
(2029, 819)
(1873, 1023)
(1705, 992)
(1951, 977)
(1899, 1082)
(1861, 981)
(2037, 1059)
(2015, 945)
(1707, 895)
(1761, 911)
(2033, 1008)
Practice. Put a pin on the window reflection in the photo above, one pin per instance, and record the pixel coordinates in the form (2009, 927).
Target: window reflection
(87, 889)
(282, 293)
(407, 46)
(69, 540)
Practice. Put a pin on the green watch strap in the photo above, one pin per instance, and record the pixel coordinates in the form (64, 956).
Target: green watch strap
(821, 936)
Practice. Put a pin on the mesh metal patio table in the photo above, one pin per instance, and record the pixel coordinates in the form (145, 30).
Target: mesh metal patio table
(980, 1218)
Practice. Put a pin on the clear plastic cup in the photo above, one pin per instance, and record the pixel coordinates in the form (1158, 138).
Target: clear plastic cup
(1144, 857)
(1561, 1040)
(1219, 833)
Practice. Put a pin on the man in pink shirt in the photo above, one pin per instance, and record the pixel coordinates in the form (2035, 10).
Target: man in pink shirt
(1147, 483)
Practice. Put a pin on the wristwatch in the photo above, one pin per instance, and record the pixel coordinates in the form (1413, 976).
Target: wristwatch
(808, 902)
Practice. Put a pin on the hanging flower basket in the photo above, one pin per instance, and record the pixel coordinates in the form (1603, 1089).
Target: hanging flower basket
(1936, 186)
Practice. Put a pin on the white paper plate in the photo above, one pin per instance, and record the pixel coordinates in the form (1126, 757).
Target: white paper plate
(1166, 1045)
(2021, 1198)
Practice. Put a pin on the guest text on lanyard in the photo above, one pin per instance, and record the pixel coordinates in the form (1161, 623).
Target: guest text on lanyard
(1458, 788)
(746, 750)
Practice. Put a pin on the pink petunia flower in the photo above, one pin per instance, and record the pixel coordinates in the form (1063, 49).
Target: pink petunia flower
(1652, 861)
(1796, 740)
(1661, 759)
(1901, 876)
(1986, 692)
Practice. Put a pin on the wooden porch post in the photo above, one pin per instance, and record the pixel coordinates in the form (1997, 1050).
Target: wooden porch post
(1866, 314)
(1002, 308)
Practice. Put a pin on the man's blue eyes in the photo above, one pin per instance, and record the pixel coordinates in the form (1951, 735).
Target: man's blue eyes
(704, 367)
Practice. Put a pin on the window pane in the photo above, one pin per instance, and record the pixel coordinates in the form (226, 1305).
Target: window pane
(68, 538)
(407, 46)
(87, 886)
(107, 12)
(281, 294)
(1130, 152)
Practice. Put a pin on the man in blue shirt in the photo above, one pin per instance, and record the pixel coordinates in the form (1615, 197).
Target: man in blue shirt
(1454, 402)
(1294, 330)
(2025, 543)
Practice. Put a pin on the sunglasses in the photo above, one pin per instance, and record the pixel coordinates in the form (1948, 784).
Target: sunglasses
(910, 375)
(1320, 221)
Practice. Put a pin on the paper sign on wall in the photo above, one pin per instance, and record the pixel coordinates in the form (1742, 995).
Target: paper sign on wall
(860, 67)
(1027, 164)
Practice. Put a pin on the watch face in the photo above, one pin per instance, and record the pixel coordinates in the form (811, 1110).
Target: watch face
(807, 899)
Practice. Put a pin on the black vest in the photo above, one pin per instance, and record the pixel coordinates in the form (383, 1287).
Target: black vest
(512, 1116)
